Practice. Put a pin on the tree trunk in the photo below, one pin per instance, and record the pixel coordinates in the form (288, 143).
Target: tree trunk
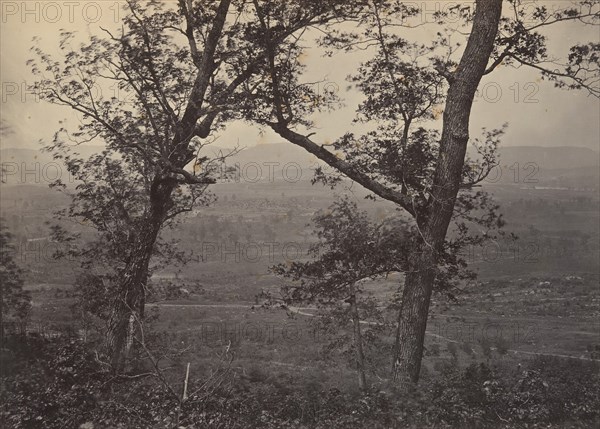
(412, 317)
(358, 345)
(129, 303)
(128, 306)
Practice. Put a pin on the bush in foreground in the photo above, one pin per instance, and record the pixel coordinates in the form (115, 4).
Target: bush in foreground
(61, 383)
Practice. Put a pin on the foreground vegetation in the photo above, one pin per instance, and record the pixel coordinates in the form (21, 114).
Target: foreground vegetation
(60, 382)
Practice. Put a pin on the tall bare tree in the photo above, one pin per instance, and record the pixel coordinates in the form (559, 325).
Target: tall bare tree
(409, 87)
(154, 93)
(163, 106)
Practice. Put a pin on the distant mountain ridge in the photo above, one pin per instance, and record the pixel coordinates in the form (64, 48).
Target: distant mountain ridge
(552, 158)
(281, 156)
(547, 157)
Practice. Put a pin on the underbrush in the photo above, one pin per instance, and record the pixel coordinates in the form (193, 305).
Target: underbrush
(61, 383)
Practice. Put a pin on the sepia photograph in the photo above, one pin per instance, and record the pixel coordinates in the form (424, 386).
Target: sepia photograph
(299, 214)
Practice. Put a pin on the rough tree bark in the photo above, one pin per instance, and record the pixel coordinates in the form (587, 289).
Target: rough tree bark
(130, 300)
(128, 305)
(412, 317)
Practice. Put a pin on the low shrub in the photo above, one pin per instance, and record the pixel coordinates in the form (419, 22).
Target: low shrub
(61, 383)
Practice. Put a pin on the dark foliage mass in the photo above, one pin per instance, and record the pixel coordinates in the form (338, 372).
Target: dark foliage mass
(60, 383)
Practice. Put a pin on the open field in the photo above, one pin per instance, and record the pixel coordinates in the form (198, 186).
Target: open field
(539, 294)
(501, 321)
(534, 299)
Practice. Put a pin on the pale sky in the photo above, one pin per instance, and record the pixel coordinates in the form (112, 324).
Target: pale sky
(538, 114)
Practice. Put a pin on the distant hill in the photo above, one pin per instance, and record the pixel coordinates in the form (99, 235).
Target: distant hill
(31, 156)
(546, 157)
(276, 154)
(36, 167)
(551, 158)
(543, 164)
(268, 158)
(30, 166)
